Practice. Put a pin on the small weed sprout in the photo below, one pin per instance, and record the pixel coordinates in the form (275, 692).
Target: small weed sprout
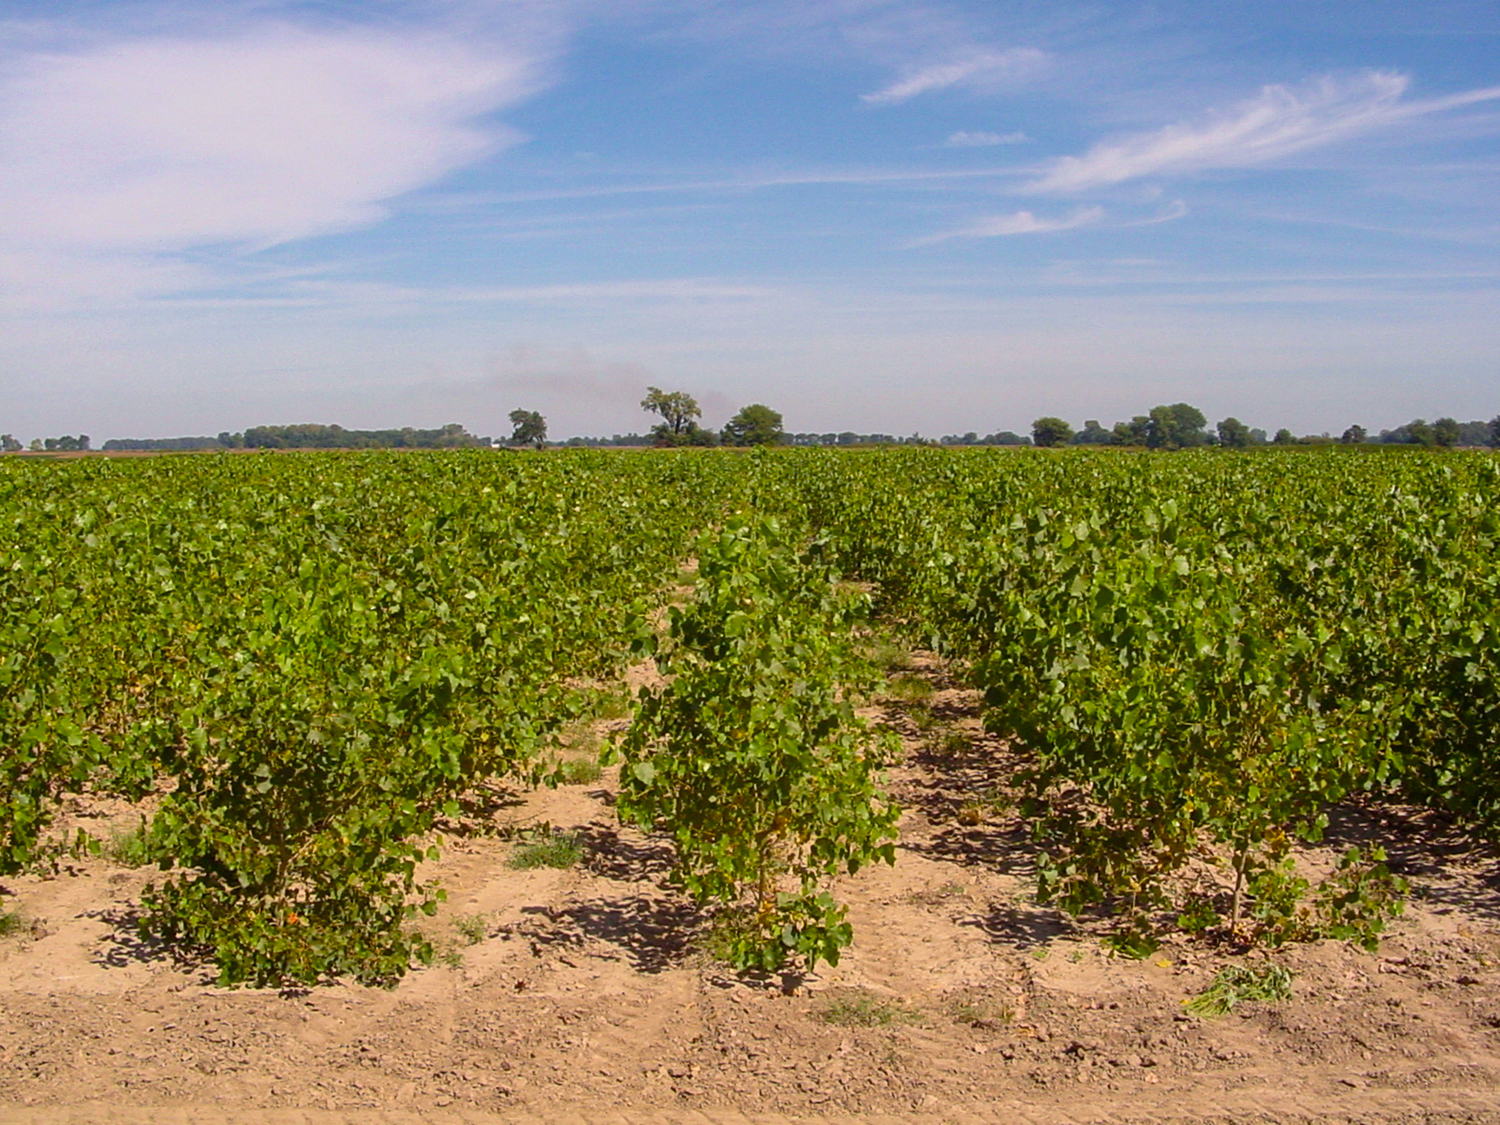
(130, 847)
(935, 896)
(981, 1013)
(922, 717)
(862, 1008)
(581, 737)
(472, 928)
(558, 851)
(1235, 984)
(579, 771)
(889, 656)
(909, 689)
(613, 704)
(948, 744)
(10, 924)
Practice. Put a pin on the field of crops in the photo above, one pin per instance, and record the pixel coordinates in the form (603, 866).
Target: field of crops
(299, 666)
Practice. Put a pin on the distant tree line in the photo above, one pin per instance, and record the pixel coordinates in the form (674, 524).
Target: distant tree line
(308, 436)
(1182, 426)
(65, 444)
(1001, 437)
(162, 445)
(621, 440)
(1443, 432)
(1175, 426)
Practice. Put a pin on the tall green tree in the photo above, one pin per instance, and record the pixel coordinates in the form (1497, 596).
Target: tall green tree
(1446, 432)
(1133, 432)
(1051, 431)
(1178, 426)
(530, 428)
(1355, 435)
(755, 424)
(1093, 434)
(1285, 436)
(679, 410)
(1233, 434)
(1495, 431)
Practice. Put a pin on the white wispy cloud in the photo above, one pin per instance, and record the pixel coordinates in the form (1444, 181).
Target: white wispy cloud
(980, 68)
(160, 144)
(1018, 222)
(965, 139)
(1276, 123)
(1177, 209)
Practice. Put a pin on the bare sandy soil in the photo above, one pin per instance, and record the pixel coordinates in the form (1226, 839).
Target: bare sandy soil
(587, 987)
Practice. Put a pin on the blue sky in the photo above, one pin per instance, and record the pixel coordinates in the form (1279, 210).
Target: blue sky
(869, 214)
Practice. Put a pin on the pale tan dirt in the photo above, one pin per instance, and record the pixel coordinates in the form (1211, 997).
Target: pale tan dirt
(584, 998)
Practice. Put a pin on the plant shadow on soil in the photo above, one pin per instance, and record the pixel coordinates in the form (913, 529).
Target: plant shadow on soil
(125, 944)
(612, 854)
(652, 931)
(479, 810)
(652, 935)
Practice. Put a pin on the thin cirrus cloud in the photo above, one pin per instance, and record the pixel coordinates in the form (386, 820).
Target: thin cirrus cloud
(1019, 222)
(965, 139)
(984, 68)
(155, 145)
(1276, 123)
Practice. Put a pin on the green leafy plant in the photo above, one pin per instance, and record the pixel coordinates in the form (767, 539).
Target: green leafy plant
(1356, 901)
(751, 755)
(1198, 916)
(1133, 941)
(1277, 895)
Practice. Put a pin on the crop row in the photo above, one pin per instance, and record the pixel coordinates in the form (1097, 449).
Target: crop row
(304, 661)
(1203, 655)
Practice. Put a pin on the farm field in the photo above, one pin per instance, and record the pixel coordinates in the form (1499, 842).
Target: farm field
(319, 726)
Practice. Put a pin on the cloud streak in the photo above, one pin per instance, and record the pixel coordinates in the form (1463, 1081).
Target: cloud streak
(1025, 222)
(965, 139)
(983, 68)
(1019, 222)
(1276, 123)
